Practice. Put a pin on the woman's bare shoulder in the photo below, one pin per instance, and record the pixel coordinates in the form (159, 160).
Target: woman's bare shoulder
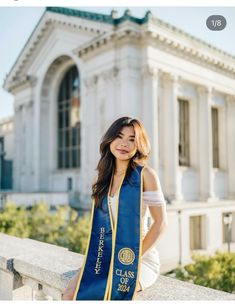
(150, 179)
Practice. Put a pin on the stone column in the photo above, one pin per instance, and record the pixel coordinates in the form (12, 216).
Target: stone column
(230, 106)
(99, 107)
(36, 97)
(150, 112)
(21, 144)
(109, 101)
(16, 154)
(6, 285)
(28, 186)
(205, 143)
(88, 134)
(171, 137)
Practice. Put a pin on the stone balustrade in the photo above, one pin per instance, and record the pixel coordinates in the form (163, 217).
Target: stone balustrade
(33, 270)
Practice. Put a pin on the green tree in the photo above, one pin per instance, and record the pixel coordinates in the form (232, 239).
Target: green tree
(13, 221)
(62, 226)
(47, 226)
(217, 272)
(77, 232)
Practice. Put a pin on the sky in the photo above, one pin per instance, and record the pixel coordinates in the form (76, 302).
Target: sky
(17, 24)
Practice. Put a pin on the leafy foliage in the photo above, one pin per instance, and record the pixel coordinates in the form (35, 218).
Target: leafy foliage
(13, 221)
(62, 226)
(217, 272)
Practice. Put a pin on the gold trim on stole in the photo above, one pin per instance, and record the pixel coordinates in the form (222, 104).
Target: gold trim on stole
(140, 248)
(109, 282)
(84, 261)
(112, 226)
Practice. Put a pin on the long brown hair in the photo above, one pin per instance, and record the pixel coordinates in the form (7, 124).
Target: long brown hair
(106, 164)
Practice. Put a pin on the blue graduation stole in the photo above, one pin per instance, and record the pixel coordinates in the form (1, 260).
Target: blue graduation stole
(111, 266)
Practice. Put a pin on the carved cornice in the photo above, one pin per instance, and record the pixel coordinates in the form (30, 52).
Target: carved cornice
(25, 80)
(105, 40)
(208, 55)
(205, 54)
(118, 29)
(17, 82)
(180, 33)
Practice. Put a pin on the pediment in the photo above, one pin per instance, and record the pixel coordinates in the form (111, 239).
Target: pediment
(50, 24)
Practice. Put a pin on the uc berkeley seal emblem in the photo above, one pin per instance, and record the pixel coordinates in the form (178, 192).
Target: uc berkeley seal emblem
(126, 256)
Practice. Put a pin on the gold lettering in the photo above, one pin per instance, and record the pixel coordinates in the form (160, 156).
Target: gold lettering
(100, 248)
(128, 274)
(100, 251)
(118, 272)
(97, 271)
(98, 260)
(123, 288)
(124, 280)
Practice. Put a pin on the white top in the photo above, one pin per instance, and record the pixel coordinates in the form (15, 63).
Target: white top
(149, 198)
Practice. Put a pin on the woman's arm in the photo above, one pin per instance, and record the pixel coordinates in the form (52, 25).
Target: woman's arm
(158, 213)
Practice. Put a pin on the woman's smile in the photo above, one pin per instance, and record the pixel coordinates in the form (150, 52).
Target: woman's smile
(122, 151)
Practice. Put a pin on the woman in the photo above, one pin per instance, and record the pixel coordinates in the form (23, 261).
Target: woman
(121, 258)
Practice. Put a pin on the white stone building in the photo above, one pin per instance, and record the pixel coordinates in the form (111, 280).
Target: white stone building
(79, 71)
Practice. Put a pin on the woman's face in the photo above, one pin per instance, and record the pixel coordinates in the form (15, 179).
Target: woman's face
(124, 146)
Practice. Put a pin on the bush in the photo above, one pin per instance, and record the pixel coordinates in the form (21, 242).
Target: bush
(77, 232)
(217, 272)
(14, 221)
(62, 227)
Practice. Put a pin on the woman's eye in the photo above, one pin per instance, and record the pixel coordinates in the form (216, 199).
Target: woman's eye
(132, 140)
(118, 136)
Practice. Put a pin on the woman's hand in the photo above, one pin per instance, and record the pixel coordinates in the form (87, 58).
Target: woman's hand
(159, 224)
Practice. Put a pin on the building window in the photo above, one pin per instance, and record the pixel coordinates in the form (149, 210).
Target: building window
(69, 125)
(6, 167)
(183, 113)
(196, 232)
(215, 137)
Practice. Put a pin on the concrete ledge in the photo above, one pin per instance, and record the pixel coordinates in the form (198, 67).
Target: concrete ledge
(167, 288)
(33, 270)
